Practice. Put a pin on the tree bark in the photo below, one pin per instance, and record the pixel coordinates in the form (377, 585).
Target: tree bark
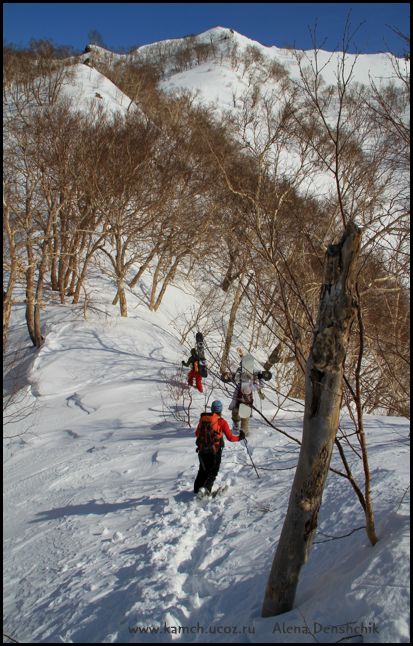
(230, 329)
(324, 380)
(53, 266)
(155, 281)
(30, 300)
(12, 273)
(121, 297)
(274, 357)
(167, 281)
(143, 268)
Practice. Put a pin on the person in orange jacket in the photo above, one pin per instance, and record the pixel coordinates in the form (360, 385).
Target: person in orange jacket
(210, 442)
(194, 373)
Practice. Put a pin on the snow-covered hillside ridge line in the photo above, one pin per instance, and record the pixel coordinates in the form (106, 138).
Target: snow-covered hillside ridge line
(240, 78)
(142, 205)
(226, 44)
(240, 60)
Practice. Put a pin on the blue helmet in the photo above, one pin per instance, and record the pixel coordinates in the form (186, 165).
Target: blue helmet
(216, 406)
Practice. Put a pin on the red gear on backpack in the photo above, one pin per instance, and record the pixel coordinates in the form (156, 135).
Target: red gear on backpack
(220, 426)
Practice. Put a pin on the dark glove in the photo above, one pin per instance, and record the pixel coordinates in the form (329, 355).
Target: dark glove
(241, 435)
(183, 363)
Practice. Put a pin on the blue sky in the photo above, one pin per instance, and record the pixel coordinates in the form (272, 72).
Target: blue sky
(123, 25)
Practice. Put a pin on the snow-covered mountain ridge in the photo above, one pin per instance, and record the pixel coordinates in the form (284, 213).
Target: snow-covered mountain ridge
(220, 67)
(378, 65)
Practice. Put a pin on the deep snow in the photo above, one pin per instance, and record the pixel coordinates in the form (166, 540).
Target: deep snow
(104, 541)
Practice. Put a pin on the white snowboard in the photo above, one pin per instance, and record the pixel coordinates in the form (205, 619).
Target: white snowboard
(247, 375)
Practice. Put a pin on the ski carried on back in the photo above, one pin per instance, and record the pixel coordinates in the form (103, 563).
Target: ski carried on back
(199, 339)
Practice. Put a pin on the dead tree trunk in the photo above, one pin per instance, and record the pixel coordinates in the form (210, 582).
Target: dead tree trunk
(324, 379)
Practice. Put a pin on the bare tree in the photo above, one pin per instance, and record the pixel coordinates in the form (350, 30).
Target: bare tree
(36, 75)
(32, 90)
(11, 256)
(124, 193)
(239, 292)
(324, 387)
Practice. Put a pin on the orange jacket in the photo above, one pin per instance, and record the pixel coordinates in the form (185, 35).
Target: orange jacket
(224, 428)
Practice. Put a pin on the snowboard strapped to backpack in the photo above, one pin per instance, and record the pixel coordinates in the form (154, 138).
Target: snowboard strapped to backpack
(209, 434)
(199, 339)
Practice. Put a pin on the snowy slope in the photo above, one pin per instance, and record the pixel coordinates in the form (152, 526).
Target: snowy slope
(222, 84)
(213, 84)
(91, 91)
(365, 66)
(104, 541)
(217, 73)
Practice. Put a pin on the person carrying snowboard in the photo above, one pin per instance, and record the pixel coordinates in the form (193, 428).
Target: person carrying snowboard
(243, 394)
(194, 373)
(210, 442)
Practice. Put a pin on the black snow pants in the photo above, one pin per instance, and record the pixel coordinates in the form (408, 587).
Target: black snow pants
(209, 464)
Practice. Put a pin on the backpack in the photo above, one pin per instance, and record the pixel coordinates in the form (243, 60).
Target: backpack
(199, 367)
(244, 394)
(203, 371)
(209, 436)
